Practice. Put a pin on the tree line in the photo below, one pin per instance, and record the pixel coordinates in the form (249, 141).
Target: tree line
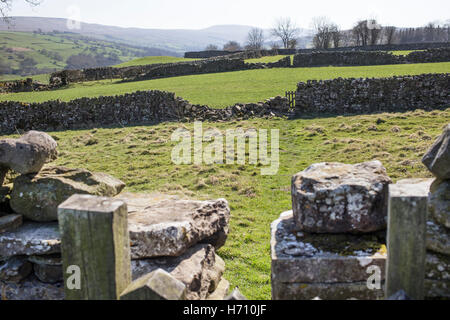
(327, 34)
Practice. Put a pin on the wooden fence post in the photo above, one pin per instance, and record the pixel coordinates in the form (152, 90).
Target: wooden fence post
(95, 242)
(407, 216)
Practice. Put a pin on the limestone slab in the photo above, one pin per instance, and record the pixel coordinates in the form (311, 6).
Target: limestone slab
(38, 196)
(439, 202)
(341, 198)
(299, 257)
(438, 238)
(325, 291)
(437, 159)
(195, 268)
(10, 222)
(170, 227)
(15, 269)
(31, 238)
(437, 267)
(31, 289)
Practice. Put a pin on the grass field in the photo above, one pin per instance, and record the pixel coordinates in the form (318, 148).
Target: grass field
(224, 89)
(152, 60)
(403, 52)
(268, 59)
(140, 156)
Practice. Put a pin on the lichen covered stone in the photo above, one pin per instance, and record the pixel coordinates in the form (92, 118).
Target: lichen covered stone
(38, 196)
(437, 159)
(170, 227)
(341, 198)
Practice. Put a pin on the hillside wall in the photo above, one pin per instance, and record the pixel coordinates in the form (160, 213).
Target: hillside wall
(26, 85)
(365, 58)
(392, 47)
(397, 94)
(356, 58)
(145, 107)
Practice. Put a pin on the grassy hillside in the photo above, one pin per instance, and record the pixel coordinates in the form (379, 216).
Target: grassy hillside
(224, 89)
(51, 51)
(141, 157)
(152, 60)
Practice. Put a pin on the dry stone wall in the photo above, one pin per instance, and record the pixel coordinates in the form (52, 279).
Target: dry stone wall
(26, 85)
(357, 58)
(396, 94)
(143, 107)
(135, 73)
(393, 47)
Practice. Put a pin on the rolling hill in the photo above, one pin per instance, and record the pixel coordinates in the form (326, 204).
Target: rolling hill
(26, 53)
(178, 40)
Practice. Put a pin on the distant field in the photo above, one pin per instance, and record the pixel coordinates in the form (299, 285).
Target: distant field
(152, 60)
(43, 48)
(224, 89)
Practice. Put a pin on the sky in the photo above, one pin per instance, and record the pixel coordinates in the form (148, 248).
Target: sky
(199, 14)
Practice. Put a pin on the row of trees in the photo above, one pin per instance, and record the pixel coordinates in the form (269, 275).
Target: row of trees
(328, 34)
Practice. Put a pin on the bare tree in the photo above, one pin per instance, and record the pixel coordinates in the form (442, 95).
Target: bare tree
(232, 46)
(336, 35)
(326, 33)
(286, 30)
(361, 33)
(389, 34)
(430, 32)
(322, 37)
(367, 32)
(6, 5)
(211, 47)
(374, 31)
(255, 39)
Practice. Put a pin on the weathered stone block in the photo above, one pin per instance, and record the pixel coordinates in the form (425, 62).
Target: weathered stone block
(437, 159)
(170, 227)
(338, 198)
(196, 268)
(29, 153)
(31, 239)
(37, 197)
(325, 291)
(31, 289)
(221, 291)
(437, 267)
(48, 268)
(15, 269)
(437, 289)
(10, 222)
(438, 238)
(439, 202)
(298, 257)
(157, 285)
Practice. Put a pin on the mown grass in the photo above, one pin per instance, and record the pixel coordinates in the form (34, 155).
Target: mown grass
(403, 52)
(153, 60)
(141, 156)
(268, 59)
(224, 89)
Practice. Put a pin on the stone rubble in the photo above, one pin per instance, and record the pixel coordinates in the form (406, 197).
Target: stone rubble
(174, 235)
